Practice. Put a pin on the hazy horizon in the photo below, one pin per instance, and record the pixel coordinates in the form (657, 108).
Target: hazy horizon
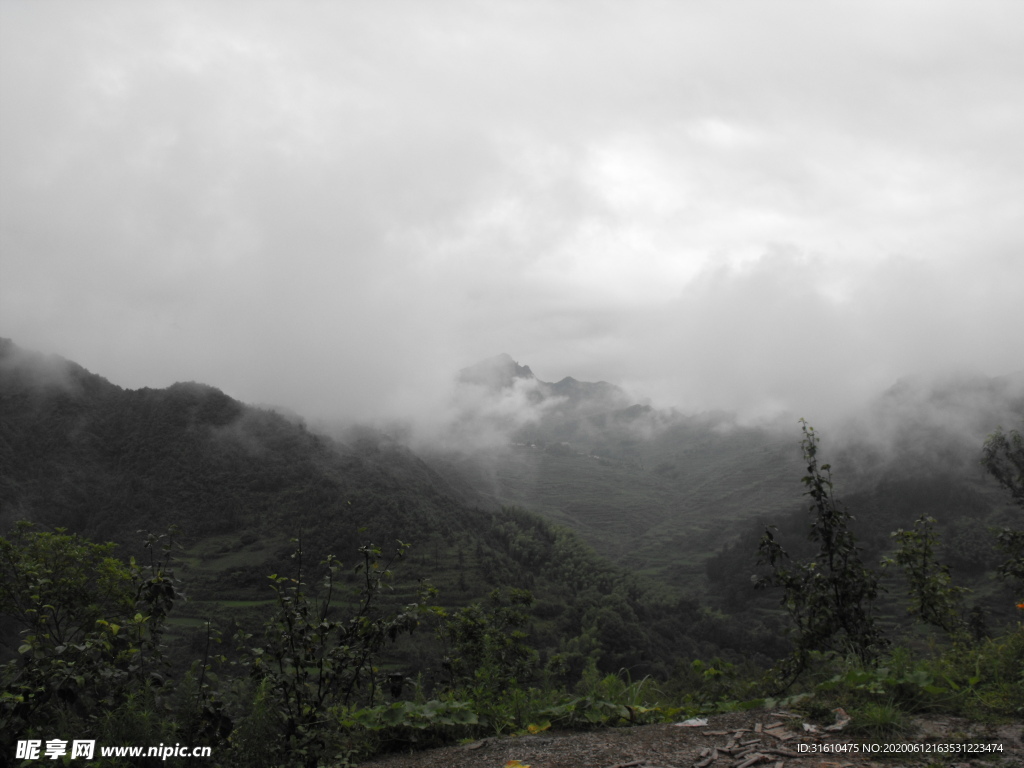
(334, 207)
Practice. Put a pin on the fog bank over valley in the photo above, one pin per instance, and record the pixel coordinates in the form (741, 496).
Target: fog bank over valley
(766, 209)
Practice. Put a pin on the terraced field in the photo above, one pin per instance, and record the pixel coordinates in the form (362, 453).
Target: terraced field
(660, 506)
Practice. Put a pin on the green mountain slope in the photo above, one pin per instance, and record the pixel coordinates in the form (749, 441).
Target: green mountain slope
(82, 453)
(665, 493)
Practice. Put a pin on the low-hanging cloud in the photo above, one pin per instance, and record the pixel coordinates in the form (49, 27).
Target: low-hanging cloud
(337, 208)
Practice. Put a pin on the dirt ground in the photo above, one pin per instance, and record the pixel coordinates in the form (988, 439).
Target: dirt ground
(736, 740)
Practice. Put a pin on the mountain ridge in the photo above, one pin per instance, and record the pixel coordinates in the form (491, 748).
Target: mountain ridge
(503, 372)
(242, 484)
(646, 488)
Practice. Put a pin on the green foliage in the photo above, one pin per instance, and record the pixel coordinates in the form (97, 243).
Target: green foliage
(409, 714)
(489, 661)
(488, 645)
(968, 548)
(404, 724)
(900, 681)
(92, 628)
(706, 685)
(987, 679)
(241, 481)
(1003, 458)
(590, 711)
(608, 701)
(312, 660)
(600, 701)
(880, 720)
(829, 598)
(1011, 542)
(982, 681)
(258, 729)
(934, 599)
(199, 705)
(56, 585)
(309, 691)
(619, 688)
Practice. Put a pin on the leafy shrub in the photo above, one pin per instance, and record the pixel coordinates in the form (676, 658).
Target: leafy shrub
(312, 660)
(488, 657)
(92, 627)
(934, 599)
(829, 598)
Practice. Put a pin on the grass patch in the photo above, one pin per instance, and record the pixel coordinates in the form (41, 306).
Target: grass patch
(880, 721)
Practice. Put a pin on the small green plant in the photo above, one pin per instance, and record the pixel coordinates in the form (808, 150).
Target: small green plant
(489, 661)
(312, 659)
(1003, 458)
(707, 685)
(487, 643)
(934, 599)
(259, 727)
(830, 597)
(987, 678)
(620, 688)
(407, 724)
(880, 721)
(588, 711)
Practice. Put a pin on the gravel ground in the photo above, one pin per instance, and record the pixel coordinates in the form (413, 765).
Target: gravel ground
(748, 739)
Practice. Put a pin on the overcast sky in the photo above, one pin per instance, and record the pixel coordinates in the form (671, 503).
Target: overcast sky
(334, 206)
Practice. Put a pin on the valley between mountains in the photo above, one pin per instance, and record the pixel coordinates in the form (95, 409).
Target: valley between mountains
(576, 536)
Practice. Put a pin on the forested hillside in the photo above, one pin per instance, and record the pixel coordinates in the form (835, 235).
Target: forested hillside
(84, 453)
(268, 584)
(684, 498)
(240, 483)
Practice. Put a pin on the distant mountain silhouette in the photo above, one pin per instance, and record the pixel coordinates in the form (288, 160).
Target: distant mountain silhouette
(503, 372)
(496, 372)
(80, 452)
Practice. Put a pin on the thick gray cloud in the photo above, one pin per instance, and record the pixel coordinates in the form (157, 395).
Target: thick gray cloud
(334, 206)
